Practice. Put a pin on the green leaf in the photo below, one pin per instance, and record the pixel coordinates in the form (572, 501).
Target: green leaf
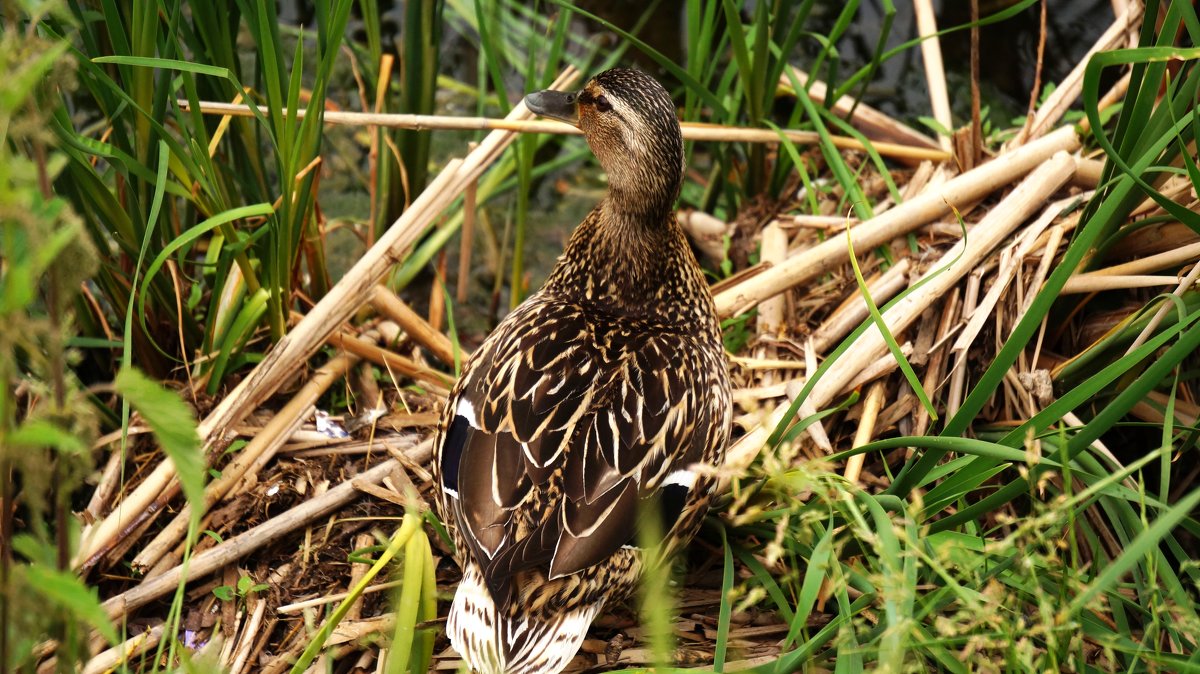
(65, 590)
(42, 433)
(175, 427)
(166, 64)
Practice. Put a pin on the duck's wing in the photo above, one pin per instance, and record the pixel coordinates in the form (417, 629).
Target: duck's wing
(578, 426)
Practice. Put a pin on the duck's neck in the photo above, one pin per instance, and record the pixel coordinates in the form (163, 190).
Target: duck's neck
(635, 262)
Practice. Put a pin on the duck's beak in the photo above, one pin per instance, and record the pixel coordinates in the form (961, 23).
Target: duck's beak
(560, 105)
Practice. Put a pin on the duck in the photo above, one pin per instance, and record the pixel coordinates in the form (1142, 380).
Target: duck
(582, 440)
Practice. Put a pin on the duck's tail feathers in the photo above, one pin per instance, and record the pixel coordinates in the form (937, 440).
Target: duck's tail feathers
(492, 643)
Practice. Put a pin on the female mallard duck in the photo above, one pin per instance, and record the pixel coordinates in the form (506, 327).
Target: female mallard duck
(604, 394)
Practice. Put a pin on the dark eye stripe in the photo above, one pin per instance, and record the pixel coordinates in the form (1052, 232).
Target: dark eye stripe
(602, 104)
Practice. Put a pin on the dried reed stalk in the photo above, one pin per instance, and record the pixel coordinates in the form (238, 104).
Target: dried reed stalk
(1097, 283)
(1007, 271)
(866, 430)
(935, 72)
(417, 328)
(397, 364)
(691, 130)
(906, 217)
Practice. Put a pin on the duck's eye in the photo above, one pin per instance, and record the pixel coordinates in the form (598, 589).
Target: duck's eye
(602, 104)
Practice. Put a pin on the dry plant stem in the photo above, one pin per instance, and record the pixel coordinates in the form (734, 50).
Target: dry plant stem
(431, 379)
(707, 232)
(437, 296)
(866, 430)
(108, 660)
(338, 305)
(1049, 251)
(357, 571)
(1172, 258)
(264, 633)
(935, 73)
(854, 311)
(742, 452)
(691, 130)
(263, 445)
(243, 544)
(110, 479)
(417, 328)
(1187, 282)
(1153, 409)
(466, 243)
(771, 313)
(248, 637)
(912, 214)
(958, 373)
(871, 122)
(816, 430)
(829, 223)
(1068, 90)
(937, 362)
(325, 600)
(1007, 272)
(1089, 283)
(963, 257)
(883, 365)
(1087, 173)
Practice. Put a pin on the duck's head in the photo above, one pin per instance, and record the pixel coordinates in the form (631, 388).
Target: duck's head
(629, 121)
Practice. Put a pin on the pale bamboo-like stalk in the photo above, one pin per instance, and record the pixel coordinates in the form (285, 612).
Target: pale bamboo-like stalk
(338, 305)
(897, 221)
(1097, 283)
(431, 379)
(958, 371)
(866, 430)
(416, 327)
(937, 361)
(691, 130)
(107, 661)
(1165, 260)
(706, 231)
(327, 599)
(935, 72)
(245, 644)
(883, 365)
(770, 323)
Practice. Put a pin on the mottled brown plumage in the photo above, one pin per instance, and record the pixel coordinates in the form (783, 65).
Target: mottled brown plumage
(594, 405)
